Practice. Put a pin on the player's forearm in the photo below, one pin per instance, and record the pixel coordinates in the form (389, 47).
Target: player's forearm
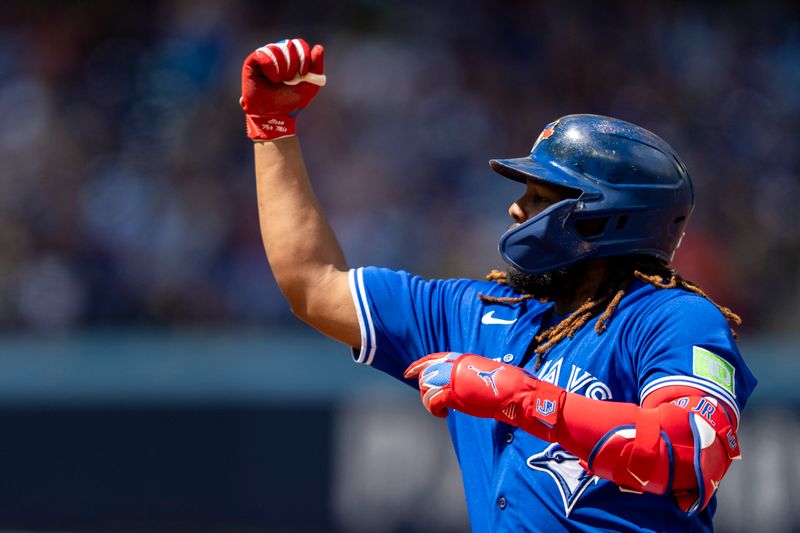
(584, 422)
(301, 246)
(685, 445)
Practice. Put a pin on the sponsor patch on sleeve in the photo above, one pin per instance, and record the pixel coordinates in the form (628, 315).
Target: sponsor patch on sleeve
(714, 368)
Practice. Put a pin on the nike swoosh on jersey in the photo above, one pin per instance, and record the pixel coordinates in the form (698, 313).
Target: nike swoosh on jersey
(489, 318)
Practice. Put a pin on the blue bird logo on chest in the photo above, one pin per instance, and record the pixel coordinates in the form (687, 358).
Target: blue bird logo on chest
(565, 469)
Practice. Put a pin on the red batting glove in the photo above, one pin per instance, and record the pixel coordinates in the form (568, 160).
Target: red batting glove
(485, 388)
(278, 81)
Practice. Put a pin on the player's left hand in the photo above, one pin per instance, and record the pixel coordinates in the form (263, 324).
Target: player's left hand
(434, 372)
(482, 387)
(470, 383)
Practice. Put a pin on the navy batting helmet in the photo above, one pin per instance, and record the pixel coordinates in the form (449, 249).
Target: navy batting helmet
(629, 183)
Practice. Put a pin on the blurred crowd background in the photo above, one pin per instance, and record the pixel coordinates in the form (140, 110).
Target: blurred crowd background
(127, 191)
(150, 374)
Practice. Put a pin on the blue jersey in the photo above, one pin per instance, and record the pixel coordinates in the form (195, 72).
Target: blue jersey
(514, 481)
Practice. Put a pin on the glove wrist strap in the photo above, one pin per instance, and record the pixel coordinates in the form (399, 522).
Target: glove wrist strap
(543, 410)
(269, 127)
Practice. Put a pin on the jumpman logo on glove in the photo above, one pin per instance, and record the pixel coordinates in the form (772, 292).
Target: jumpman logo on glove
(487, 377)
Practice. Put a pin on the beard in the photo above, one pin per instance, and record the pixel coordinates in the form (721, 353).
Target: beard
(552, 285)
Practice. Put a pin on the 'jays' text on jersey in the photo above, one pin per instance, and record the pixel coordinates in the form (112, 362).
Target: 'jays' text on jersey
(514, 481)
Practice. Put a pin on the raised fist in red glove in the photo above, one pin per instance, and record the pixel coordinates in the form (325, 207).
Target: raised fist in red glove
(278, 81)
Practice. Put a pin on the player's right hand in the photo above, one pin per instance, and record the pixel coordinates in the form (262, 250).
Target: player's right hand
(278, 81)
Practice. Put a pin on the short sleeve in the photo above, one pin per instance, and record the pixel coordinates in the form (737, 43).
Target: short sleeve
(403, 317)
(686, 341)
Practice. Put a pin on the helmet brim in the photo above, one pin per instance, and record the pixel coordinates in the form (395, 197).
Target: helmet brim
(524, 168)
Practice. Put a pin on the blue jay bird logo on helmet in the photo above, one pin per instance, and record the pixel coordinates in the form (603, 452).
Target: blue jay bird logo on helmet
(629, 182)
(546, 133)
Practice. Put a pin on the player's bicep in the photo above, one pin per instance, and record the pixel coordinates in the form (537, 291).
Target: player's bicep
(686, 342)
(674, 392)
(682, 440)
(329, 307)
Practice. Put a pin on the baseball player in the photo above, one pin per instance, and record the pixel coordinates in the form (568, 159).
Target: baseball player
(589, 387)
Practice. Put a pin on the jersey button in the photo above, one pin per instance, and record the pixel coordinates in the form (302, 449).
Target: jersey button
(502, 503)
(509, 438)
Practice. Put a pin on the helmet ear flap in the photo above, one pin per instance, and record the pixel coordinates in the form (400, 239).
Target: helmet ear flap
(591, 227)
